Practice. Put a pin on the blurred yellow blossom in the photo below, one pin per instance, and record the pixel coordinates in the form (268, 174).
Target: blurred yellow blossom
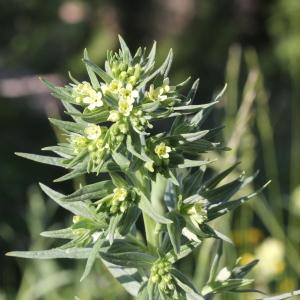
(271, 259)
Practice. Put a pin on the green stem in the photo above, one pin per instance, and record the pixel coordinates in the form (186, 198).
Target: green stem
(154, 190)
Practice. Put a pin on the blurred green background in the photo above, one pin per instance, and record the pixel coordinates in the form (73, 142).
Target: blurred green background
(253, 45)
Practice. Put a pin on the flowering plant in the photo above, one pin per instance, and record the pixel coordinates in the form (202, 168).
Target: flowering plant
(141, 173)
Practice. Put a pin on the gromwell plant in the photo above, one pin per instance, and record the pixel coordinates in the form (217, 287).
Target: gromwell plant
(158, 177)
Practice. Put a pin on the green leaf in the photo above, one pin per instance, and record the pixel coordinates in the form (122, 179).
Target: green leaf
(125, 49)
(49, 160)
(113, 224)
(91, 191)
(102, 74)
(129, 259)
(93, 77)
(215, 180)
(147, 208)
(184, 251)
(193, 108)
(216, 261)
(129, 219)
(63, 151)
(73, 253)
(118, 180)
(192, 93)
(96, 116)
(121, 160)
(224, 192)
(161, 70)
(92, 257)
(242, 271)
(184, 282)
(128, 277)
(77, 208)
(66, 233)
(188, 163)
(194, 136)
(68, 126)
(193, 182)
(174, 231)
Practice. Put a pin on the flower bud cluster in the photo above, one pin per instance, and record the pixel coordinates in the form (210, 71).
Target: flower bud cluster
(92, 142)
(120, 201)
(126, 72)
(82, 231)
(160, 274)
(85, 95)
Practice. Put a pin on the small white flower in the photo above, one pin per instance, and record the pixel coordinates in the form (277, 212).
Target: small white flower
(85, 94)
(93, 132)
(126, 106)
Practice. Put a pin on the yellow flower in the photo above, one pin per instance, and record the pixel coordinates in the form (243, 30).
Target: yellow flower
(78, 143)
(271, 259)
(93, 132)
(120, 194)
(162, 150)
(246, 259)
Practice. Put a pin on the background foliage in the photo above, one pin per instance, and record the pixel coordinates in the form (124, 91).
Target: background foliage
(252, 45)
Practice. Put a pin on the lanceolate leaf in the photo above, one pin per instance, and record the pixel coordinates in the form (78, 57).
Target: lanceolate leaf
(74, 253)
(91, 191)
(77, 208)
(54, 161)
(92, 257)
(59, 234)
(146, 207)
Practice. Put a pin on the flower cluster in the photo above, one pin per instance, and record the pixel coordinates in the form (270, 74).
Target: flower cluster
(85, 95)
(160, 275)
(160, 176)
(119, 202)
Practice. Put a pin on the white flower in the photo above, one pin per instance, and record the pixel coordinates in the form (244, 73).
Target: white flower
(162, 150)
(129, 92)
(126, 106)
(85, 94)
(93, 132)
(198, 211)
